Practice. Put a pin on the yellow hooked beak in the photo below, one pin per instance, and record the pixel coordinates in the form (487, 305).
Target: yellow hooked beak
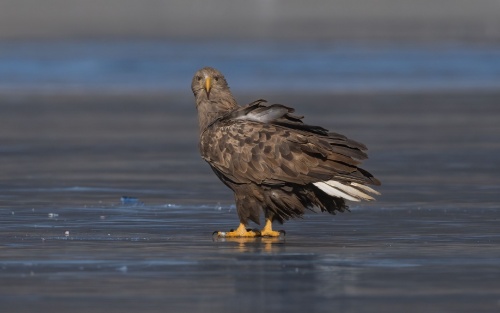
(208, 86)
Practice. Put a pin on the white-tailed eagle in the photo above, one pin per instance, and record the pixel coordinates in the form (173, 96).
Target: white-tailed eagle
(272, 161)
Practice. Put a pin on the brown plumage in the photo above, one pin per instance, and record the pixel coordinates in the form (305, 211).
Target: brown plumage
(273, 161)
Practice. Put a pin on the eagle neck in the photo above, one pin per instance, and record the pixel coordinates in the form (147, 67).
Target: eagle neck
(210, 110)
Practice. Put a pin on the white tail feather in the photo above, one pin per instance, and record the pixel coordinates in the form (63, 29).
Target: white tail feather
(334, 191)
(350, 190)
(354, 192)
(366, 188)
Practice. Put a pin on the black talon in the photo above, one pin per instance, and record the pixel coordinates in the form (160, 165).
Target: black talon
(282, 234)
(216, 236)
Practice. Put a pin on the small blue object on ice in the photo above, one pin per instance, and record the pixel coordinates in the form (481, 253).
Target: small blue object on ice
(130, 200)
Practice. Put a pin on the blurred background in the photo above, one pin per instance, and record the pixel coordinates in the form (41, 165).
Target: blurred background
(406, 20)
(260, 45)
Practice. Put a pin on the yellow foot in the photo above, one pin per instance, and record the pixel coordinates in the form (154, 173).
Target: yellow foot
(268, 231)
(271, 233)
(240, 232)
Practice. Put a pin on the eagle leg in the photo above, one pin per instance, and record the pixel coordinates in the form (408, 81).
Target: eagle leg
(241, 231)
(268, 231)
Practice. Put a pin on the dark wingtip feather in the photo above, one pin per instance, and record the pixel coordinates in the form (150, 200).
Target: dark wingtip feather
(368, 175)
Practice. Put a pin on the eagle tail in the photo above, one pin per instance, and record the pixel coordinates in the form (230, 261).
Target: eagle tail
(350, 191)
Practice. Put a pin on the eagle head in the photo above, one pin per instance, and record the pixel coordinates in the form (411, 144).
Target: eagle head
(208, 81)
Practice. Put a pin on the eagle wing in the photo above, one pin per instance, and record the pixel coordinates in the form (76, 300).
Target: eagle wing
(267, 144)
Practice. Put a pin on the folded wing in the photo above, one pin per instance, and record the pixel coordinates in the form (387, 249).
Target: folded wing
(268, 145)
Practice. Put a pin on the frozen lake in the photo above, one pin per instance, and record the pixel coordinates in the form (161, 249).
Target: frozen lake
(69, 152)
